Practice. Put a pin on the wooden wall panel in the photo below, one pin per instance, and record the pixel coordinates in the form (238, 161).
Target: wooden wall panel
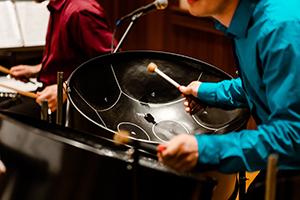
(198, 38)
(137, 37)
(173, 30)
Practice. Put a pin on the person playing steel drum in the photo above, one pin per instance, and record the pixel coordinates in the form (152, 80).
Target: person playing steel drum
(77, 31)
(265, 34)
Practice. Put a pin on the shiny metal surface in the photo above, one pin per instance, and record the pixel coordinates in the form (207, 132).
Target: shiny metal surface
(116, 92)
(45, 161)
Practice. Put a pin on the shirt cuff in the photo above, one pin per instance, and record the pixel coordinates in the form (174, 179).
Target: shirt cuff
(207, 92)
(208, 149)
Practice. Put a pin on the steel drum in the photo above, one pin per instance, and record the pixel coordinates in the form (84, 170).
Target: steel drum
(116, 92)
(45, 161)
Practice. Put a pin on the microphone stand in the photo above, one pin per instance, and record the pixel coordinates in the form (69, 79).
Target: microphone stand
(133, 18)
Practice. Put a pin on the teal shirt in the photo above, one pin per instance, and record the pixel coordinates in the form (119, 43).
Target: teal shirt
(266, 35)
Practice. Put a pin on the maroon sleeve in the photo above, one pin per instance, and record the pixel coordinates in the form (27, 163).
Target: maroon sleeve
(91, 32)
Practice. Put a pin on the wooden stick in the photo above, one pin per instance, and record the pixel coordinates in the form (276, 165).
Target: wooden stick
(122, 137)
(7, 71)
(271, 177)
(4, 70)
(27, 94)
(152, 67)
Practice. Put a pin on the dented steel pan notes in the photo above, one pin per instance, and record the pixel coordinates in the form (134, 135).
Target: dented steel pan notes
(116, 92)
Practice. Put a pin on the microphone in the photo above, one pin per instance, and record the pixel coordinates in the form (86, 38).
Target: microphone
(157, 4)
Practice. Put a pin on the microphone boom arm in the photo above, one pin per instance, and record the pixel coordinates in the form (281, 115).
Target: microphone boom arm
(157, 4)
(133, 18)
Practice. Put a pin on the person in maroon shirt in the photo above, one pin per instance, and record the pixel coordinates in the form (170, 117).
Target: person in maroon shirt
(77, 31)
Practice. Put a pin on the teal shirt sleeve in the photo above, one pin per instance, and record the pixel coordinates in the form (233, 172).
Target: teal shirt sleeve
(226, 94)
(248, 150)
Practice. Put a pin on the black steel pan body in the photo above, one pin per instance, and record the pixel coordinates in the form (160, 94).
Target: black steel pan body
(116, 92)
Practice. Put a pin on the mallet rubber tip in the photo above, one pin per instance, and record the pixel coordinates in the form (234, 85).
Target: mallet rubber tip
(151, 67)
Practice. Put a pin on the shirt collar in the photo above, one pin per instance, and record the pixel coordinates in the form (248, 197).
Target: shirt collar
(240, 21)
(56, 4)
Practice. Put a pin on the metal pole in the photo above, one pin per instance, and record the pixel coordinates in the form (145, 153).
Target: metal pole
(127, 31)
(59, 111)
(44, 110)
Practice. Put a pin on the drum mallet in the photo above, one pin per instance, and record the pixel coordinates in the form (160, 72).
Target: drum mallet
(122, 138)
(152, 67)
(4, 70)
(7, 71)
(24, 93)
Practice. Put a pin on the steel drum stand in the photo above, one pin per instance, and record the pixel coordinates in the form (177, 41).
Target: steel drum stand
(44, 111)
(242, 185)
(239, 187)
(60, 101)
(135, 155)
(242, 180)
